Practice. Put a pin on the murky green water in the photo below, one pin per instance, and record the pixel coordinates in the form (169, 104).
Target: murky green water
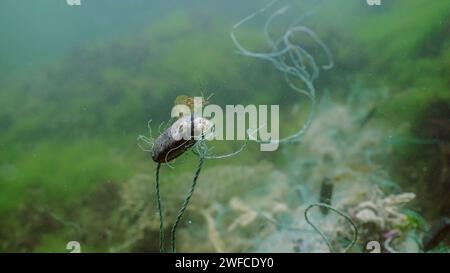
(364, 90)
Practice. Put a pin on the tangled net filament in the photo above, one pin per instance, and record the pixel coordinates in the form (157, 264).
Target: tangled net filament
(201, 150)
(324, 237)
(291, 58)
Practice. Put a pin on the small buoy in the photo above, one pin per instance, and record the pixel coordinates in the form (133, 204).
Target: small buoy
(179, 137)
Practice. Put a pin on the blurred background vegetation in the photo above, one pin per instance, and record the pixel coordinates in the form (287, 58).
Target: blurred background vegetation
(78, 84)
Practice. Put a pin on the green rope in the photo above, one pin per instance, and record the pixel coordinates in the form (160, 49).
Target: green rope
(186, 202)
(324, 237)
(161, 220)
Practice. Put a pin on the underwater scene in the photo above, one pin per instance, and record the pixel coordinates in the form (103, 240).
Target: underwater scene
(255, 126)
